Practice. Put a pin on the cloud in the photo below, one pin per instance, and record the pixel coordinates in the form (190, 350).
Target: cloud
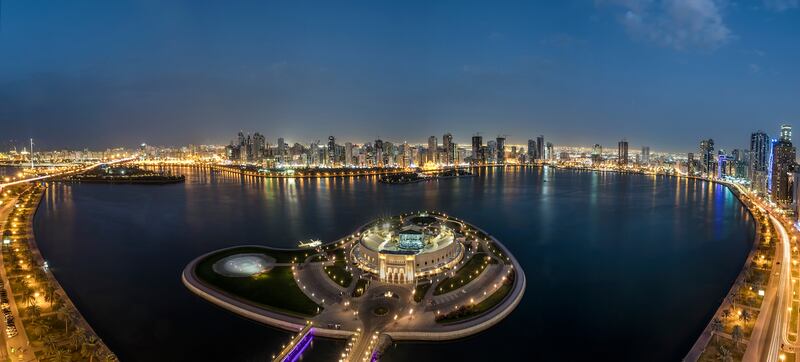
(754, 68)
(677, 24)
(781, 5)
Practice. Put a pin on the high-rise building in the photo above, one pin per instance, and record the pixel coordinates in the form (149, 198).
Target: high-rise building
(531, 150)
(477, 144)
(783, 159)
(645, 155)
(491, 151)
(501, 149)
(597, 154)
(449, 149)
(259, 146)
(432, 149)
(690, 169)
(759, 160)
(786, 133)
(622, 153)
(348, 154)
(707, 157)
(378, 153)
(550, 154)
(331, 151)
(540, 145)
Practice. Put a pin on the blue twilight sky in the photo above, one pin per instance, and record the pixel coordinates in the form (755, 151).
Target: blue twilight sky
(662, 73)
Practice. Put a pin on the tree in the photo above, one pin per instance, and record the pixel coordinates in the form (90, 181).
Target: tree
(77, 337)
(39, 328)
(726, 313)
(61, 355)
(716, 327)
(89, 348)
(736, 334)
(745, 316)
(49, 293)
(65, 314)
(34, 311)
(28, 297)
(724, 354)
(49, 343)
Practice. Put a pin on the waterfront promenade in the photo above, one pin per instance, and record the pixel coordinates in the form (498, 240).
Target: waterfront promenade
(49, 326)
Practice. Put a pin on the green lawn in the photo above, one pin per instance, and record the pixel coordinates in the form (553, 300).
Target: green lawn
(339, 274)
(464, 275)
(275, 290)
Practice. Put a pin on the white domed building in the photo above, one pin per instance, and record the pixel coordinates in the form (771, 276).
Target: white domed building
(406, 248)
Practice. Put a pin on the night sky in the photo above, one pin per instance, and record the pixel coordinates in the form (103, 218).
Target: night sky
(663, 73)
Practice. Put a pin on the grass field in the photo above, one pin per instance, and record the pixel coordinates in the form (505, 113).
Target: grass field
(274, 290)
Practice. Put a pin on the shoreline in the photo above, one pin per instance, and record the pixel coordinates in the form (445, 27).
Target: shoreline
(59, 289)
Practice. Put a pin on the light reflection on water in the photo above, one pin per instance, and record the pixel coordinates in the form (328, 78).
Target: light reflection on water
(607, 256)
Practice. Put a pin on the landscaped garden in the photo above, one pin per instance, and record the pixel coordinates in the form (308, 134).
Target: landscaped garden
(275, 289)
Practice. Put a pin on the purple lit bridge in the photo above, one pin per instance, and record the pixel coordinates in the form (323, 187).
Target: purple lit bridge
(297, 346)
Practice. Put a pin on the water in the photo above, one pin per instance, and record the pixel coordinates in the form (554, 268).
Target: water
(619, 267)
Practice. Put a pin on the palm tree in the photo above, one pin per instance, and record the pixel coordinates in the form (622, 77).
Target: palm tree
(77, 337)
(28, 297)
(49, 343)
(61, 355)
(89, 348)
(34, 311)
(716, 327)
(39, 328)
(726, 313)
(64, 313)
(49, 294)
(745, 316)
(724, 355)
(736, 334)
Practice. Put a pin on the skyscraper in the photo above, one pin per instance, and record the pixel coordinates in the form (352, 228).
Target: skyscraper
(759, 159)
(432, 149)
(597, 154)
(531, 150)
(379, 153)
(331, 151)
(622, 153)
(707, 157)
(645, 155)
(449, 149)
(786, 133)
(501, 149)
(477, 144)
(348, 154)
(783, 158)
(550, 154)
(540, 147)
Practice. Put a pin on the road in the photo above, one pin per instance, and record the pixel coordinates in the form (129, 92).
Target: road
(21, 339)
(44, 177)
(769, 336)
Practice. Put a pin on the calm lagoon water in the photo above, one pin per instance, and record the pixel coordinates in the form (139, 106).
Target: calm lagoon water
(619, 267)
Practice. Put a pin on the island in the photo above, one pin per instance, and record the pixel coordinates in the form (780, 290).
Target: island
(120, 174)
(421, 276)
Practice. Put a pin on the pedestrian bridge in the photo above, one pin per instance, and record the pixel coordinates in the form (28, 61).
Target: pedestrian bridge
(297, 346)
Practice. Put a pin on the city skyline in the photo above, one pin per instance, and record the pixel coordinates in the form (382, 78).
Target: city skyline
(614, 69)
